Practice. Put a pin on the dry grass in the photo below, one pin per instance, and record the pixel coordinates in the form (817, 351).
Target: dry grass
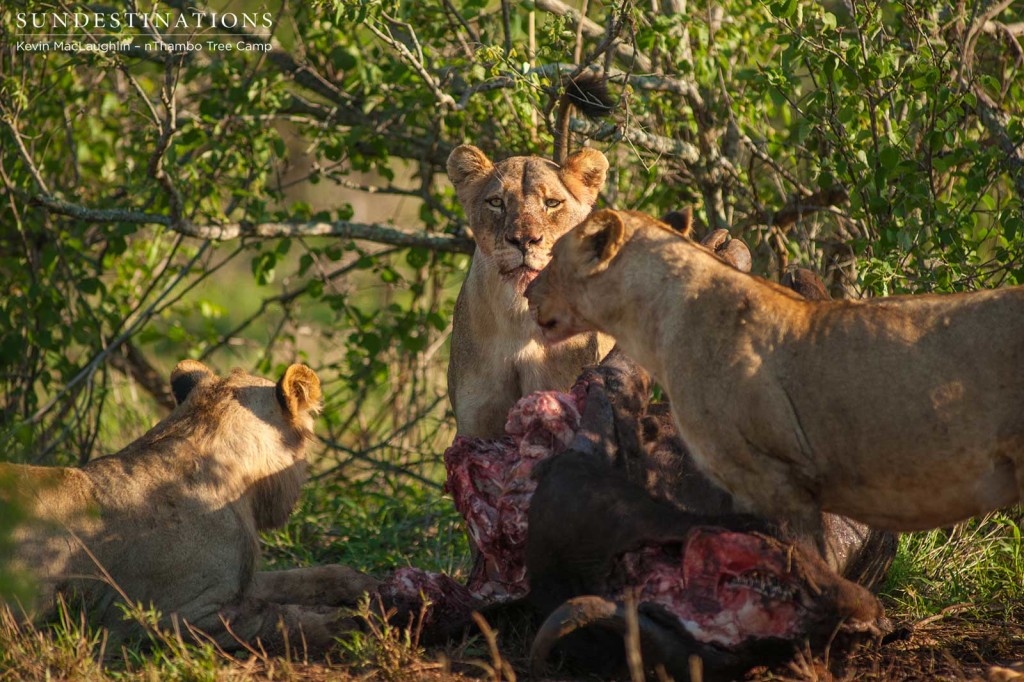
(953, 594)
(949, 647)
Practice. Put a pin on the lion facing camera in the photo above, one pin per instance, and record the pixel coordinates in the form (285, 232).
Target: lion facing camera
(171, 522)
(517, 209)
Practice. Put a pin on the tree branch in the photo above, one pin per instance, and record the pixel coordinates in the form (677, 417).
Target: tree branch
(132, 363)
(996, 121)
(415, 62)
(608, 132)
(344, 229)
(798, 206)
(372, 232)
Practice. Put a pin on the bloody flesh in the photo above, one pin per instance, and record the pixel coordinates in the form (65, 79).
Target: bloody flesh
(723, 587)
(491, 483)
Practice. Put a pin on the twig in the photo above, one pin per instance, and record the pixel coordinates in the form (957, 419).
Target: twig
(443, 98)
(87, 371)
(134, 364)
(592, 29)
(25, 156)
(380, 464)
(578, 53)
(282, 300)
(450, 9)
(996, 121)
(506, 24)
(976, 28)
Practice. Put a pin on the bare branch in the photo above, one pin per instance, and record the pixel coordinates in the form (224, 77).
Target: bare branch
(450, 10)
(131, 362)
(799, 205)
(344, 229)
(506, 23)
(282, 300)
(168, 126)
(25, 156)
(972, 34)
(443, 98)
(608, 132)
(578, 52)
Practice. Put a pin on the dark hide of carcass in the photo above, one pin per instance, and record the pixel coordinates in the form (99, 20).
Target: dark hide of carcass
(624, 509)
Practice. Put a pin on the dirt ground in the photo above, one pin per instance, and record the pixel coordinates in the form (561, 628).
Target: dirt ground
(945, 648)
(948, 648)
(942, 648)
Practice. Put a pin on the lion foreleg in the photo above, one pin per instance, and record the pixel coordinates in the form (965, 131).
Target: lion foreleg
(278, 628)
(330, 585)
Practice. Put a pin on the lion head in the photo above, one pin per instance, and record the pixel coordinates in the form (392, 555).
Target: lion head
(519, 207)
(256, 428)
(580, 255)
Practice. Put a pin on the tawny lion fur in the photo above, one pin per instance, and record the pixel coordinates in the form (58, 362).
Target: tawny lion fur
(172, 521)
(516, 208)
(902, 412)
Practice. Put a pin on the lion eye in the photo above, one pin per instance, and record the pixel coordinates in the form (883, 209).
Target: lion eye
(552, 203)
(496, 202)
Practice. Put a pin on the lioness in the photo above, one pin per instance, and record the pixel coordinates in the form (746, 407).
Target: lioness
(172, 520)
(901, 412)
(517, 208)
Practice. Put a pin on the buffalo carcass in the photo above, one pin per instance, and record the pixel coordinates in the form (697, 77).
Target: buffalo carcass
(628, 481)
(622, 511)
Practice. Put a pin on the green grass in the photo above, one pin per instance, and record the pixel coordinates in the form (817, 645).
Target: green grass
(374, 524)
(977, 566)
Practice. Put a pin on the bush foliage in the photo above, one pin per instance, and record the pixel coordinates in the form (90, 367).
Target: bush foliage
(156, 206)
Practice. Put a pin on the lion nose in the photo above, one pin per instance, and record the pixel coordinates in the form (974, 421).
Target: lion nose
(522, 241)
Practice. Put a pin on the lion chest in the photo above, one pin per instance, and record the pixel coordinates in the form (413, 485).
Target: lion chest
(537, 367)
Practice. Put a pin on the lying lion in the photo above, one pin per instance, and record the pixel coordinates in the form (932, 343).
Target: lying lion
(172, 521)
(903, 412)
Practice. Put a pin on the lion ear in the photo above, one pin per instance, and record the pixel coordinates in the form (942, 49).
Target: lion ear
(603, 235)
(298, 390)
(680, 221)
(466, 164)
(588, 167)
(731, 251)
(186, 375)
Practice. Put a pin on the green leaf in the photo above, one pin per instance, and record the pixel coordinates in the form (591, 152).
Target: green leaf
(889, 158)
(263, 267)
(417, 257)
(784, 9)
